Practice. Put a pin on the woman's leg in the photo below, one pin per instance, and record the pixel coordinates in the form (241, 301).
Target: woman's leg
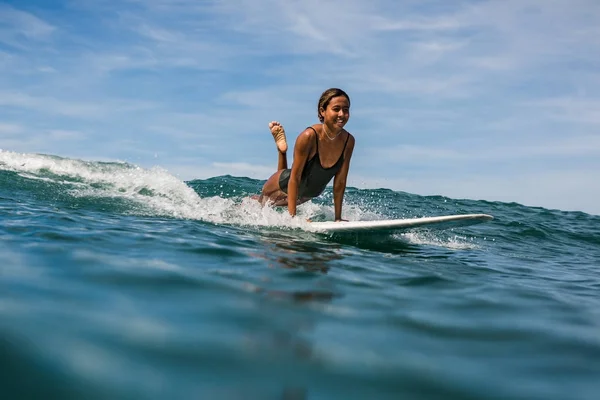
(272, 192)
(282, 161)
(279, 135)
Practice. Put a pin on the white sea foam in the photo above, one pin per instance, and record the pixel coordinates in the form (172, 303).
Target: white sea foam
(155, 192)
(454, 242)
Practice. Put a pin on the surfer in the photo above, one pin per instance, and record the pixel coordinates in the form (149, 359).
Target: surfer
(321, 152)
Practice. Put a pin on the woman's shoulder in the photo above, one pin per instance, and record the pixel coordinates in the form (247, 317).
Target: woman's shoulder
(306, 138)
(350, 137)
(350, 141)
(310, 132)
(313, 128)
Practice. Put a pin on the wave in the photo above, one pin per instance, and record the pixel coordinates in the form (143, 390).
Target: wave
(123, 188)
(129, 189)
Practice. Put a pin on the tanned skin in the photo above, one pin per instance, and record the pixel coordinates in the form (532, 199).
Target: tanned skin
(331, 136)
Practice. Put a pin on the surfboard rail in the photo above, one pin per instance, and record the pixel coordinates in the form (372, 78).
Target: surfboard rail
(436, 222)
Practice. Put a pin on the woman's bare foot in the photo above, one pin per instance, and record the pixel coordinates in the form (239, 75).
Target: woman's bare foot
(279, 135)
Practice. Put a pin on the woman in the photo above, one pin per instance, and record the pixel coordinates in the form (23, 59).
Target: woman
(322, 151)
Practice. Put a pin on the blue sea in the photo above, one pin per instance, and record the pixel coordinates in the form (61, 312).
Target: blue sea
(119, 282)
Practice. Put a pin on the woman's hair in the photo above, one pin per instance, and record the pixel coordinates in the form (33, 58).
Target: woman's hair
(326, 98)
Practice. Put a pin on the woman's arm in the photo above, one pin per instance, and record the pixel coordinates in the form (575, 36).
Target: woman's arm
(339, 181)
(302, 150)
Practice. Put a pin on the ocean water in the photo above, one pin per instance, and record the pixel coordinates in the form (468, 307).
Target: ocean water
(119, 282)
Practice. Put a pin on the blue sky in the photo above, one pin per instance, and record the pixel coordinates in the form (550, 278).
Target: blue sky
(495, 100)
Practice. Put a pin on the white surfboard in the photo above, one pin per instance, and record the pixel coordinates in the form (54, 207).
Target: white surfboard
(441, 222)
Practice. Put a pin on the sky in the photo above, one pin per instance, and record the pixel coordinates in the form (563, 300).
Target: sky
(481, 99)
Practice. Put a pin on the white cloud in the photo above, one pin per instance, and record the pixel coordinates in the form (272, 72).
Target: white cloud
(24, 145)
(20, 138)
(567, 190)
(60, 134)
(48, 105)
(437, 88)
(15, 23)
(581, 146)
(10, 129)
(581, 110)
(72, 107)
(202, 171)
(417, 23)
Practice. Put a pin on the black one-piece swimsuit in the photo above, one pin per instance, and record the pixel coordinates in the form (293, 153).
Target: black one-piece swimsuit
(314, 178)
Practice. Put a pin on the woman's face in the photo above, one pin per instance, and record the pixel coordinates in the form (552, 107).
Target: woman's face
(337, 112)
